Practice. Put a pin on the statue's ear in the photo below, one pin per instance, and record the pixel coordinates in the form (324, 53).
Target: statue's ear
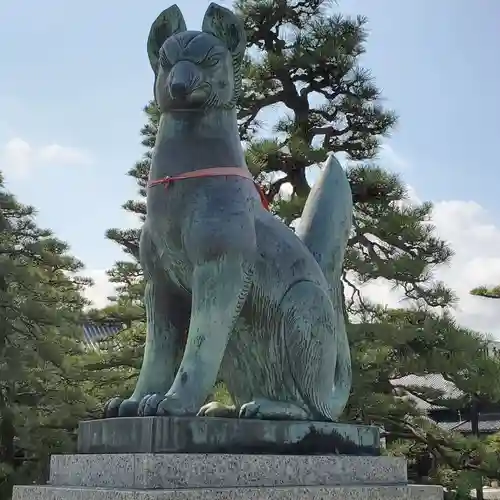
(168, 23)
(227, 27)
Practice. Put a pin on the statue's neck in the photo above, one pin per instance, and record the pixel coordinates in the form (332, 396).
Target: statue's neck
(192, 140)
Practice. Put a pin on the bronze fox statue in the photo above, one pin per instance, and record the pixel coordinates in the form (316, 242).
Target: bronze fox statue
(262, 304)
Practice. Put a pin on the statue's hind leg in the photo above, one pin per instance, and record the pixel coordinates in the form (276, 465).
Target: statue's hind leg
(167, 314)
(306, 355)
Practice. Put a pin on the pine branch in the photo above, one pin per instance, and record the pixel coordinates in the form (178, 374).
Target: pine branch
(489, 293)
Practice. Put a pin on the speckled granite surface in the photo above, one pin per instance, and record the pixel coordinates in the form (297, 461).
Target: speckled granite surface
(226, 435)
(150, 471)
(291, 493)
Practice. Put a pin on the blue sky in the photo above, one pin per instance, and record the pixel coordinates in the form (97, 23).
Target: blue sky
(75, 77)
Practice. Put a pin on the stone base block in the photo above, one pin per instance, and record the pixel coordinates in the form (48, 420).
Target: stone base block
(276, 493)
(148, 471)
(226, 435)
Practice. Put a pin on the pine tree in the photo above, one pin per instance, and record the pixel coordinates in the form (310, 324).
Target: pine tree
(41, 400)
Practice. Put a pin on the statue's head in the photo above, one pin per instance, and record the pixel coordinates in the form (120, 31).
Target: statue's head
(197, 70)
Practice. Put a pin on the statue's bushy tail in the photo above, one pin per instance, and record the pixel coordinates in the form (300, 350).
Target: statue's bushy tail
(324, 228)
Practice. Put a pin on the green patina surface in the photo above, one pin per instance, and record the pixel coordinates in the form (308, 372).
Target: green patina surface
(261, 303)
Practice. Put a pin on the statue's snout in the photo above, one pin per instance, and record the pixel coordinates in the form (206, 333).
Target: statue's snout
(183, 79)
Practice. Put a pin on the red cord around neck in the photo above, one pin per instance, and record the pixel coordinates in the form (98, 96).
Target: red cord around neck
(213, 172)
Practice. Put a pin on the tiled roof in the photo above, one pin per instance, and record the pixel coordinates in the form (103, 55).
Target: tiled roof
(433, 381)
(94, 332)
(437, 382)
(485, 425)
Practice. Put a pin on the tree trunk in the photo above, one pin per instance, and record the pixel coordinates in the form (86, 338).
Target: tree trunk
(7, 448)
(474, 422)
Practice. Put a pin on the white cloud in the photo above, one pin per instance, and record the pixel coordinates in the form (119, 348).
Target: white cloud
(55, 153)
(102, 289)
(475, 239)
(18, 157)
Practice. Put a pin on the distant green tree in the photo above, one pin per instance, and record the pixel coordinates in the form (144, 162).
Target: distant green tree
(41, 400)
(126, 274)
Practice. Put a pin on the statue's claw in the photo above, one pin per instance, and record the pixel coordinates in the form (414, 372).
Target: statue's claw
(149, 405)
(112, 408)
(161, 405)
(117, 407)
(174, 407)
(142, 405)
(250, 410)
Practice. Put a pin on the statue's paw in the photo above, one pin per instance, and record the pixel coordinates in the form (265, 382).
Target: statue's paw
(251, 410)
(174, 407)
(118, 407)
(216, 409)
(265, 409)
(149, 405)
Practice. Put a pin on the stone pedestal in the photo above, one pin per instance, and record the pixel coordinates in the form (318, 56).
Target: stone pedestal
(226, 435)
(185, 473)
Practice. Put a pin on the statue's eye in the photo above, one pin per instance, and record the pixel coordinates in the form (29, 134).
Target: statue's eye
(210, 62)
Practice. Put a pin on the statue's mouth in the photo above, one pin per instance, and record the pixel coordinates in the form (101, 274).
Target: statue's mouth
(201, 92)
(194, 99)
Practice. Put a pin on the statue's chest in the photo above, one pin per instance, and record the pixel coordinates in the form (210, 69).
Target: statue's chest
(167, 237)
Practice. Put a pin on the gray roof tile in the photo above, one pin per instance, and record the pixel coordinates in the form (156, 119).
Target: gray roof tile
(93, 333)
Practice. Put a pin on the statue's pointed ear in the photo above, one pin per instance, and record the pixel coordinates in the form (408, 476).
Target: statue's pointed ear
(168, 23)
(227, 27)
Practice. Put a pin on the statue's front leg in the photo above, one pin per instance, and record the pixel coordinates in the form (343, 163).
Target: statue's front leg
(167, 314)
(167, 320)
(219, 289)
